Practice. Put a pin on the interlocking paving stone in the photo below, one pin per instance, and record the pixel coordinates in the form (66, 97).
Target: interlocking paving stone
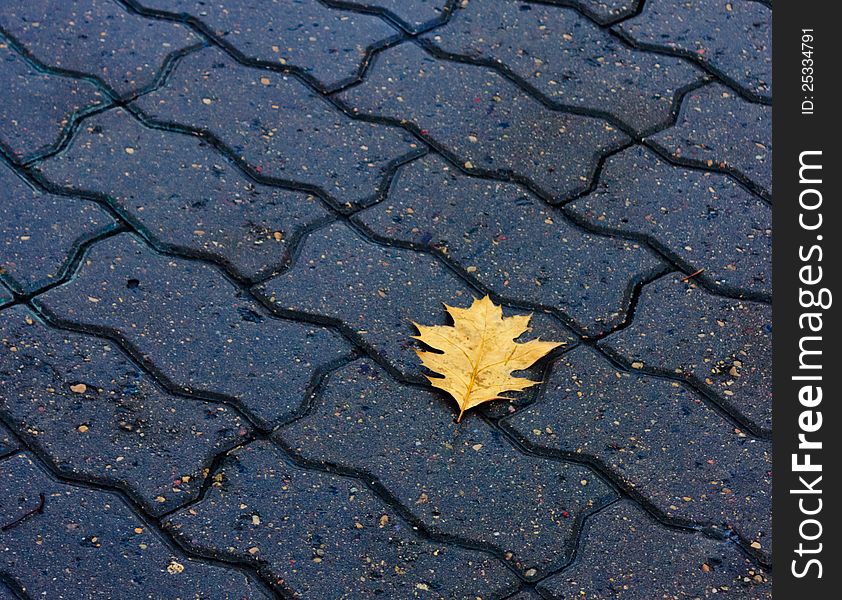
(95, 37)
(39, 231)
(8, 443)
(184, 194)
(718, 129)
(97, 417)
(377, 292)
(733, 38)
(329, 44)
(705, 219)
(193, 326)
(88, 544)
(36, 107)
(569, 59)
(326, 536)
(624, 553)
(279, 126)
(658, 438)
(723, 344)
(413, 15)
(502, 233)
(483, 119)
(462, 480)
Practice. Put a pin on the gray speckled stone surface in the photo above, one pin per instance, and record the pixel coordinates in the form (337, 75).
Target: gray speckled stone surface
(627, 554)
(192, 325)
(704, 219)
(734, 38)
(526, 508)
(39, 231)
(184, 194)
(512, 242)
(36, 107)
(376, 292)
(324, 536)
(725, 345)
(568, 59)
(88, 544)
(99, 418)
(718, 129)
(95, 37)
(660, 438)
(484, 120)
(330, 45)
(279, 126)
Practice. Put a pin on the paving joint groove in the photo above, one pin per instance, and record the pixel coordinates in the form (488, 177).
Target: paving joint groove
(670, 257)
(629, 296)
(331, 202)
(720, 76)
(114, 100)
(12, 585)
(44, 464)
(198, 26)
(709, 529)
(391, 18)
(505, 71)
(741, 179)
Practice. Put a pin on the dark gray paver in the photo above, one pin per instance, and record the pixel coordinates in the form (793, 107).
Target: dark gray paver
(191, 324)
(413, 15)
(185, 195)
(328, 44)
(279, 126)
(734, 38)
(625, 554)
(512, 242)
(718, 129)
(95, 37)
(704, 219)
(484, 120)
(658, 438)
(326, 536)
(99, 418)
(462, 480)
(40, 231)
(723, 344)
(88, 544)
(569, 59)
(377, 292)
(37, 107)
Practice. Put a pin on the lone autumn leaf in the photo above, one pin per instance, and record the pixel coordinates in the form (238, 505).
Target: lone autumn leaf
(478, 353)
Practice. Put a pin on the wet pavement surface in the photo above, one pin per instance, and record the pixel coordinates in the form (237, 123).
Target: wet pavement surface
(218, 221)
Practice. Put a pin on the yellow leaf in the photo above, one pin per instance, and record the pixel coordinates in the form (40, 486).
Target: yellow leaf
(476, 356)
